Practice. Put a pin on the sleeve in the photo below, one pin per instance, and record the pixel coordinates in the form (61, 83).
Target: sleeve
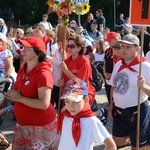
(85, 70)
(45, 78)
(146, 72)
(100, 134)
(148, 56)
(8, 54)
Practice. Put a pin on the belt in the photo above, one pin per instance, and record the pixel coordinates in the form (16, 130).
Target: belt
(134, 108)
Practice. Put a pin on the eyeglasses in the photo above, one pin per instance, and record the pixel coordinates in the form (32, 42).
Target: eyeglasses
(72, 46)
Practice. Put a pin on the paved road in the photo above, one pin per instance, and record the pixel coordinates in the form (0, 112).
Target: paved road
(8, 124)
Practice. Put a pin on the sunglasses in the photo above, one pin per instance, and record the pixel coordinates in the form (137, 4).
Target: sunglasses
(72, 46)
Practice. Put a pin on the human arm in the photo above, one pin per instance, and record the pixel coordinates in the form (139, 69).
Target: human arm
(110, 144)
(101, 27)
(111, 102)
(66, 71)
(9, 66)
(141, 84)
(15, 46)
(42, 102)
(107, 75)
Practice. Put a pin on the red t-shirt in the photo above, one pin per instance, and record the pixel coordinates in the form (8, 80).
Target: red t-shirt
(81, 68)
(28, 84)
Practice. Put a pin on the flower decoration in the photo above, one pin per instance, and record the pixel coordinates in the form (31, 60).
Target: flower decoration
(85, 7)
(64, 8)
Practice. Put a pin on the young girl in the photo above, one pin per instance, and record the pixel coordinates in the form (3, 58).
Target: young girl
(78, 125)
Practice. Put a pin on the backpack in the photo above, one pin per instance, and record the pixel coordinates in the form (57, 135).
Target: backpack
(96, 80)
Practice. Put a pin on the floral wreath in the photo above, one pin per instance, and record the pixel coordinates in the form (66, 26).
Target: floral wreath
(65, 7)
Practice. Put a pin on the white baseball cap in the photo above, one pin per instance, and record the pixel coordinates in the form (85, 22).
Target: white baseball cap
(2, 20)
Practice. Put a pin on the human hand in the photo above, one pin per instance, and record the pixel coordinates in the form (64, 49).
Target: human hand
(61, 82)
(141, 82)
(11, 39)
(63, 66)
(107, 75)
(110, 113)
(13, 95)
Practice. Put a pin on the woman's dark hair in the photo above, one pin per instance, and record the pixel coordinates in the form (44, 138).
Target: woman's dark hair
(79, 42)
(41, 54)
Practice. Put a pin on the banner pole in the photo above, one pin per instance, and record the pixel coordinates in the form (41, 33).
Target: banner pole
(139, 89)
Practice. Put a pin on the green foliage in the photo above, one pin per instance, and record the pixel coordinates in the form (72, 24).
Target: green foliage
(30, 11)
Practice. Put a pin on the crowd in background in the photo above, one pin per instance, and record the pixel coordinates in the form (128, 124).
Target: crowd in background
(95, 44)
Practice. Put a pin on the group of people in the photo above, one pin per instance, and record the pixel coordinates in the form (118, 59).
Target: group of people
(46, 68)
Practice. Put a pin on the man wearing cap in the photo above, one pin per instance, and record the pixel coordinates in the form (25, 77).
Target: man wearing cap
(3, 28)
(112, 38)
(125, 81)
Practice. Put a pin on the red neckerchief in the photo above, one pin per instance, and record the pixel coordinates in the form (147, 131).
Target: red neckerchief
(46, 39)
(17, 41)
(134, 62)
(116, 59)
(110, 52)
(76, 127)
(4, 46)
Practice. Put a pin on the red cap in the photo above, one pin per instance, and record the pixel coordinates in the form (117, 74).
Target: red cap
(34, 42)
(111, 35)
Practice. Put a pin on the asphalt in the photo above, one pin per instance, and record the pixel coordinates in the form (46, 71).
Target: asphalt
(8, 124)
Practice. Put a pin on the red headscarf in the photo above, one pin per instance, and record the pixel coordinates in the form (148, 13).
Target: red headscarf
(76, 127)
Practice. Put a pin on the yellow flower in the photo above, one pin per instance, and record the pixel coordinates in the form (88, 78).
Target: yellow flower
(85, 7)
(59, 6)
(50, 3)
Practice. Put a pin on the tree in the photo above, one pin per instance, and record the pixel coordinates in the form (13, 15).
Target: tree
(30, 11)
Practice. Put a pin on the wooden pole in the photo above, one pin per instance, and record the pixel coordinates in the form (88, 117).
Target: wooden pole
(139, 89)
(62, 38)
